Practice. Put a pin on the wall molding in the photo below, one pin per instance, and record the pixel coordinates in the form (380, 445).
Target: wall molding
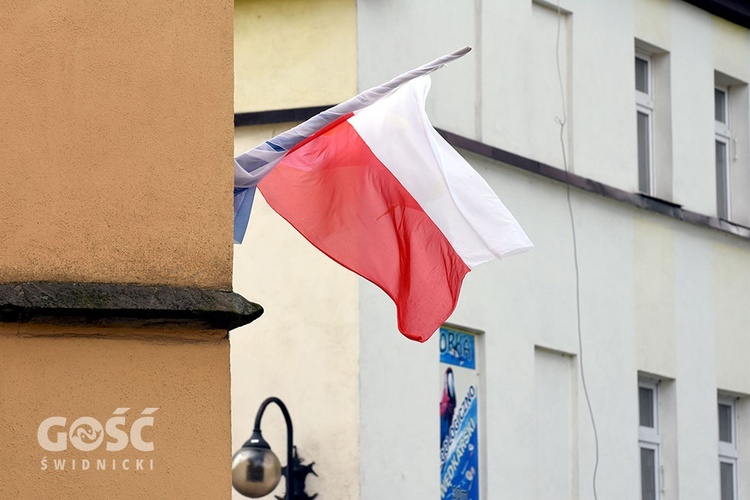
(639, 200)
(277, 116)
(124, 305)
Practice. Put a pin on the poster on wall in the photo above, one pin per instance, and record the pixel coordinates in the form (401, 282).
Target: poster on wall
(459, 429)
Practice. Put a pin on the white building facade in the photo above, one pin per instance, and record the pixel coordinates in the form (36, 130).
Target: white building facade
(609, 362)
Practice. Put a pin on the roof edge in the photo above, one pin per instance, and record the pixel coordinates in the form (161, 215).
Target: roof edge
(736, 11)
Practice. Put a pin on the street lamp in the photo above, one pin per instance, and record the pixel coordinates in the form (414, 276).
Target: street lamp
(256, 470)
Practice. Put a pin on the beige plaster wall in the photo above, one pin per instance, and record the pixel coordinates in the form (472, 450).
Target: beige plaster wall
(294, 53)
(76, 372)
(116, 141)
(304, 349)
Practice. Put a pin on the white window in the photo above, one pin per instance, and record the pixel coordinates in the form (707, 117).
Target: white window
(732, 148)
(645, 122)
(649, 439)
(723, 137)
(728, 448)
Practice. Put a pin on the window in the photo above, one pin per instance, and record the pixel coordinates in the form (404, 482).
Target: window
(644, 122)
(731, 148)
(723, 135)
(653, 120)
(728, 448)
(649, 439)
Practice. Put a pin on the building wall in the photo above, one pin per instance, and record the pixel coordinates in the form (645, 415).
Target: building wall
(658, 297)
(91, 94)
(115, 162)
(292, 54)
(75, 372)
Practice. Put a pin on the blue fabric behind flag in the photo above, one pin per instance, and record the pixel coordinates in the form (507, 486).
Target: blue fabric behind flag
(243, 202)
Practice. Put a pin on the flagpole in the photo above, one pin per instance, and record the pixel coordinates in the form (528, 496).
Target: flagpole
(425, 69)
(287, 140)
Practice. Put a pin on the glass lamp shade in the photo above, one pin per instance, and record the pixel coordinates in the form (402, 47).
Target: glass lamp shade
(256, 471)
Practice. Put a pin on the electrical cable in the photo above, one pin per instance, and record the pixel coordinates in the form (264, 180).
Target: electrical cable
(562, 122)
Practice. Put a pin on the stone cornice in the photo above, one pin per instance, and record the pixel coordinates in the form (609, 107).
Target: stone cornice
(115, 305)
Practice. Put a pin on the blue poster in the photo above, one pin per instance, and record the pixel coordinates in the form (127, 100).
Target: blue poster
(459, 427)
(457, 348)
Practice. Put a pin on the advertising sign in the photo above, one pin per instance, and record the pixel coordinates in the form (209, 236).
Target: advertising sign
(459, 430)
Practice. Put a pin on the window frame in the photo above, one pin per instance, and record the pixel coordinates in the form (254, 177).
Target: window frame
(723, 128)
(723, 136)
(644, 104)
(723, 179)
(650, 437)
(729, 451)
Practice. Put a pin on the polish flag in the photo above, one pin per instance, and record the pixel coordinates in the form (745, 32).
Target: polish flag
(383, 194)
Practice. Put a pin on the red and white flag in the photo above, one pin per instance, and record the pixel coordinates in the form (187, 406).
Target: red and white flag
(384, 195)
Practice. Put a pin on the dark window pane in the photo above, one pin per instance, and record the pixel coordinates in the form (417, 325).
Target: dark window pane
(727, 481)
(722, 180)
(644, 152)
(725, 423)
(648, 474)
(646, 406)
(720, 105)
(641, 75)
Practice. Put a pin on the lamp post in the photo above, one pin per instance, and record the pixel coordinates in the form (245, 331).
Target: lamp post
(256, 470)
